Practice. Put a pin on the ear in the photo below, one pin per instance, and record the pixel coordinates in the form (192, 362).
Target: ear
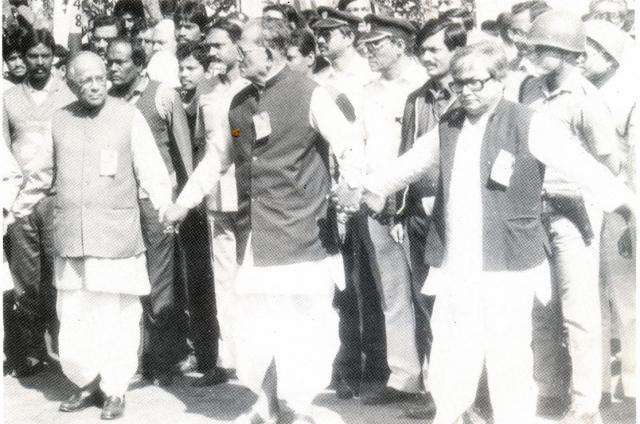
(310, 59)
(402, 45)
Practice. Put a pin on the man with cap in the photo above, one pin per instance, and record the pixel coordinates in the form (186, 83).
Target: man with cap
(389, 45)
(359, 8)
(572, 221)
(361, 330)
(605, 53)
(99, 153)
(436, 43)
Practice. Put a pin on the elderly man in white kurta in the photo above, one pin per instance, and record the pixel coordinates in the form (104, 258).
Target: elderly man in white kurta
(485, 244)
(101, 152)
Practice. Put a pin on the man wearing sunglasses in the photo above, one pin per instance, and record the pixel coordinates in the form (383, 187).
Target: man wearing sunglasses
(572, 220)
(486, 242)
(389, 47)
(348, 73)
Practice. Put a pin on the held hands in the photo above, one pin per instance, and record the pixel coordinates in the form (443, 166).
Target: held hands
(173, 216)
(346, 199)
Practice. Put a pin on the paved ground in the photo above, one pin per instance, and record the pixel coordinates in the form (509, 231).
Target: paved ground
(35, 401)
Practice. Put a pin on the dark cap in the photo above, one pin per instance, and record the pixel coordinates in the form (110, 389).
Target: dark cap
(385, 26)
(333, 18)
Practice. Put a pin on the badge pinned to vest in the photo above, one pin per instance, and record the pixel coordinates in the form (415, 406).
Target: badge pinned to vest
(502, 168)
(262, 125)
(108, 162)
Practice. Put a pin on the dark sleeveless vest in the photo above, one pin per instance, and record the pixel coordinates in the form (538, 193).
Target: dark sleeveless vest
(513, 237)
(283, 179)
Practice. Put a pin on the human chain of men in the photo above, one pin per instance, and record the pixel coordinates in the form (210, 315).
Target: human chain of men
(429, 214)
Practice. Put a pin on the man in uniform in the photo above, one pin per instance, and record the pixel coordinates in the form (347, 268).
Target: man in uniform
(100, 266)
(162, 109)
(389, 45)
(572, 221)
(282, 125)
(361, 322)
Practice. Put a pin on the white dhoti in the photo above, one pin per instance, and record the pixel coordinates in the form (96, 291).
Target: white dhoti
(285, 315)
(225, 266)
(480, 323)
(99, 326)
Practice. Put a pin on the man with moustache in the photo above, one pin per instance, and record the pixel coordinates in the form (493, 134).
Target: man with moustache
(99, 153)
(162, 109)
(27, 111)
(212, 131)
(105, 29)
(190, 19)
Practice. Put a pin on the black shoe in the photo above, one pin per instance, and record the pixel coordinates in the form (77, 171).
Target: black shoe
(388, 395)
(345, 390)
(211, 377)
(84, 398)
(113, 408)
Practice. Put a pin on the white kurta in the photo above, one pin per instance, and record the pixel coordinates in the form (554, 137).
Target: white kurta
(128, 275)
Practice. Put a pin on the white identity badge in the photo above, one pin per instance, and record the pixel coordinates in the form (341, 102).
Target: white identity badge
(262, 125)
(503, 168)
(108, 162)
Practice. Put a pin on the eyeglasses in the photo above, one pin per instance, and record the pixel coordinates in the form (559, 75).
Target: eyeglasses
(243, 52)
(375, 46)
(457, 85)
(613, 17)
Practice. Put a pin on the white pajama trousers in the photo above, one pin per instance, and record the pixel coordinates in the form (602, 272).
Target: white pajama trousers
(484, 323)
(225, 266)
(99, 336)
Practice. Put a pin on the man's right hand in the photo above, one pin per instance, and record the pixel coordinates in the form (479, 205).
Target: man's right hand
(174, 213)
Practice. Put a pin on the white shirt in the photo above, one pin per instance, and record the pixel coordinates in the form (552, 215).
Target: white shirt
(128, 275)
(549, 141)
(212, 124)
(383, 111)
(39, 96)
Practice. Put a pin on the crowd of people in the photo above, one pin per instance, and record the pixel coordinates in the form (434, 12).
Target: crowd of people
(431, 213)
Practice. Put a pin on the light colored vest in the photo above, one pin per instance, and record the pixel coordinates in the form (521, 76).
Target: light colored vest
(95, 215)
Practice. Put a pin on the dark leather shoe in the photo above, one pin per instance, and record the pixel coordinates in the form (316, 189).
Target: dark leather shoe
(345, 390)
(388, 395)
(84, 398)
(211, 377)
(113, 408)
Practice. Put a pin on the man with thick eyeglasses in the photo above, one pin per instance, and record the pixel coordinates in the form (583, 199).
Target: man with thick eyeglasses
(572, 220)
(389, 47)
(100, 152)
(486, 242)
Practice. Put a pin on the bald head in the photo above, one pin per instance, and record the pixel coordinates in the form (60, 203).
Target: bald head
(87, 76)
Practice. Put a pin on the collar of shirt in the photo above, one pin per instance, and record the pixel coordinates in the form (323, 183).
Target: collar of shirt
(137, 91)
(280, 72)
(48, 87)
(413, 74)
(572, 84)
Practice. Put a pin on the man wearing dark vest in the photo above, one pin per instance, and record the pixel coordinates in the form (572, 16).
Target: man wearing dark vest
(27, 110)
(162, 109)
(100, 153)
(282, 125)
(486, 243)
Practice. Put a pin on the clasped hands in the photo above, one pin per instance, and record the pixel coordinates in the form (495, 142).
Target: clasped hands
(348, 199)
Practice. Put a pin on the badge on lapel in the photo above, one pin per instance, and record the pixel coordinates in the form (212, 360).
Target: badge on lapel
(502, 168)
